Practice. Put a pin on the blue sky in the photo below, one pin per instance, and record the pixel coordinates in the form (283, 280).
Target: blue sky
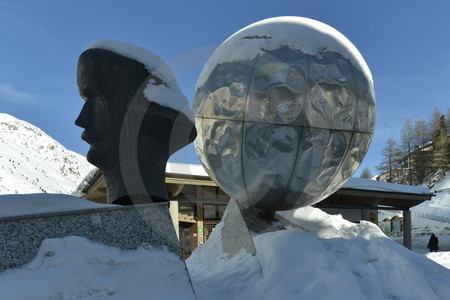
(405, 43)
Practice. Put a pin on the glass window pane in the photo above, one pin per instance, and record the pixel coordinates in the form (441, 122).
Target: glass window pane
(209, 211)
(209, 192)
(186, 208)
(221, 209)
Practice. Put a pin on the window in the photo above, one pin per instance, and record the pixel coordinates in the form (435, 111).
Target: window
(209, 192)
(209, 211)
(213, 211)
(186, 208)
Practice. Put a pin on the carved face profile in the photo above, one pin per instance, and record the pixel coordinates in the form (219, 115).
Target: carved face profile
(135, 117)
(107, 82)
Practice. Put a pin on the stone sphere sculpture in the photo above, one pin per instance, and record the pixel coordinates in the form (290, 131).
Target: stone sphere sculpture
(285, 113)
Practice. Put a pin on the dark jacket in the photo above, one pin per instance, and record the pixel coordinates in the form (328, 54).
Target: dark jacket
(433, 243)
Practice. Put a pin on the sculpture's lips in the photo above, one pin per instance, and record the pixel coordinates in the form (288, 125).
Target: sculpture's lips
(90, 136)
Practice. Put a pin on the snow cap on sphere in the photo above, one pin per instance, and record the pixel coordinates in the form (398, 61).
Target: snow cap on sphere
(167, 94)
(309, 36)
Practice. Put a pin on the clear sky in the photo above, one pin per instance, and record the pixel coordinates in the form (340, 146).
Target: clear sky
(405, 43)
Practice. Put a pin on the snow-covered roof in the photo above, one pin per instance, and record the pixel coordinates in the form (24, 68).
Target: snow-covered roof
(374, 185)
(186, 169)
(87, 181)
(167, 94)
(352, 183)
(172, 168)
(309, 36)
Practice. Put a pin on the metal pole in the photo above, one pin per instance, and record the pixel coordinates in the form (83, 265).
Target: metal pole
(407, 229)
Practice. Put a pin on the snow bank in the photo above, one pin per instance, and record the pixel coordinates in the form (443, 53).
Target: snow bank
(442, 258)
(306, 35)
(327, 226)
(76, 268)
(167, 94)
(336, 259)
(330, 258)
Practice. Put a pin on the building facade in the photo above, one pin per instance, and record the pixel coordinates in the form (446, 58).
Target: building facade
(197, 204)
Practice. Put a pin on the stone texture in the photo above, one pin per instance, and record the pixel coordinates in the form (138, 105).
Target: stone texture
(125, 227)
(235, 234)
(240, 224)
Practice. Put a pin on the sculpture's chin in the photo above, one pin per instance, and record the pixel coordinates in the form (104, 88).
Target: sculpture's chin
(91, 157)
(98, 155)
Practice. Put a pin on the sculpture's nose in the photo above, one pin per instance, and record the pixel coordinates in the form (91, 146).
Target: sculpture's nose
(84, 118)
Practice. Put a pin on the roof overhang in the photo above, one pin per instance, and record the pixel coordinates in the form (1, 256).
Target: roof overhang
(388, 200)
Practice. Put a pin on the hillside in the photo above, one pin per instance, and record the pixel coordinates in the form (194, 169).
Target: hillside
(439, 206)
(33, 162)
(431, 216)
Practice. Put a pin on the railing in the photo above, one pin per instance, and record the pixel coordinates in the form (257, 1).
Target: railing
(431, 217)
(208, 227)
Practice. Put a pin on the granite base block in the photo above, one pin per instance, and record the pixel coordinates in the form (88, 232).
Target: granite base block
(125, 227)
(235, 233)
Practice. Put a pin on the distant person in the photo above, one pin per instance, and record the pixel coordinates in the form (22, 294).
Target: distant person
(433, 244)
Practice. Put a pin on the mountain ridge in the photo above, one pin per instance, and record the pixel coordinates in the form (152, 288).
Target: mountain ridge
(33, 162)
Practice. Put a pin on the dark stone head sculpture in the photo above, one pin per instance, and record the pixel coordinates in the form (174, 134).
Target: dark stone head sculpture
(134, 118)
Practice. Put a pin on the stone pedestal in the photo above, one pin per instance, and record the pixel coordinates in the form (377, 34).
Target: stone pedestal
(124, 227)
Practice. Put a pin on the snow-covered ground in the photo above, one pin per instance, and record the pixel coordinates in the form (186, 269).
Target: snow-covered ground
(329, 258)
(76, 268)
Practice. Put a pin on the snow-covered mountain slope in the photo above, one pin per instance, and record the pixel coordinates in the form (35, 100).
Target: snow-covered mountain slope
(33, 162)
(439, 206)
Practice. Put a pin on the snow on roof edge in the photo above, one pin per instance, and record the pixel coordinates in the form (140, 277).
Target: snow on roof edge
(352, 183)
(186, 169)
(174, 168)
(374, 185)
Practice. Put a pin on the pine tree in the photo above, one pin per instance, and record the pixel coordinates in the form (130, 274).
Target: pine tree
(407, 147)
(434, 124)
(440, 146)
(420, 155)
(366, 173)
(420, 134)
(447, 117)
(391, 158)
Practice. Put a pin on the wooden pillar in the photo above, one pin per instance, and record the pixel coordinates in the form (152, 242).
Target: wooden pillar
(407, 242)
(365, 214)
(173, 209)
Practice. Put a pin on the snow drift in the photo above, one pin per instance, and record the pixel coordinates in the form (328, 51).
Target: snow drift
(330, 259)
